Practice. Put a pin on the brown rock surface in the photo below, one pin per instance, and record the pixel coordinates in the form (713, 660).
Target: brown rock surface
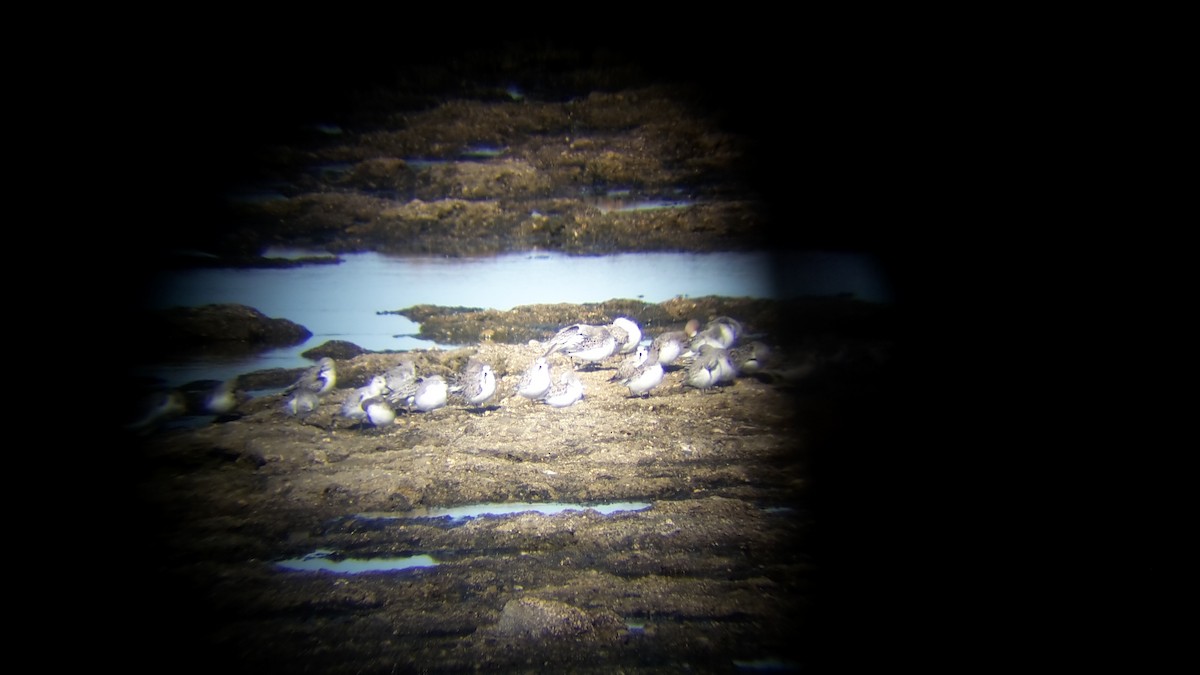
(718, 569)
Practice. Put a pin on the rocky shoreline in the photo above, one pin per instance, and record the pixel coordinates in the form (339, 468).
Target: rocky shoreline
(729, 568)
(719, 570)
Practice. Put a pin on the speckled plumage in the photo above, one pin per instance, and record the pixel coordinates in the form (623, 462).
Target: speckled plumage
(477, 383)
(584, 342)
(630, 365)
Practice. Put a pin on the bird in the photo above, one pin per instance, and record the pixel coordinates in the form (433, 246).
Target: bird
(535, 382)
(584, 342)
(631, 364)
(710, 367)
(477, 383)
(301, 403)
(750, 358)
(223, 398)
(566, 391)
(400, 375)
(213, 397)
(319, 379)
(628, 334)
(727, 370)
(674, 343)
(378, 411)
(155, 408)
(646, 376)
(352, 405)
(431, 393)
(722, 332)
(403, 394)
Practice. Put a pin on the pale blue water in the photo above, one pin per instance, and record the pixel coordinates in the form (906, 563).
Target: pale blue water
(469, 511)
(343, 301)
(320, 561)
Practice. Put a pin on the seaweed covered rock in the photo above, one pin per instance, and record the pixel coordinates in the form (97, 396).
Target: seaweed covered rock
(225, 327)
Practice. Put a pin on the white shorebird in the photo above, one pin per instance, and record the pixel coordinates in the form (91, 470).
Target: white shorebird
(431, 393)
(477, 383)
(722, 332)
(750, 358)
(156, 408)
(378, 411)
(565, 392)
(223, 398)
(674, 343)
(628, 334)
(630, 365)
(646, 376)
(401, 375)
(710, 367)
(318, 379)
(726, 369)
(352, 405)
(535, 382)
(301, 403)
(212, 397)
(584, 342)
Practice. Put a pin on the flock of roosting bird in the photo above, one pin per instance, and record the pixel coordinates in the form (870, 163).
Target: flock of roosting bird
(711, 356)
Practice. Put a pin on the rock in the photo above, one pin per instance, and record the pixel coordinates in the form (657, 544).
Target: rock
(229, 328)
(339, 350)
(535, 618)
(538, 618)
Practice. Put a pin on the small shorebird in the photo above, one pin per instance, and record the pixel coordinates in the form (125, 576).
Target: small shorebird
(378, 411)
(646, 376)
(628, 334)
(431, 393)
(710, 367)
(750, 358)
(536, 381)
(301, 403)
(156, 408)
(401, 375)
(477, 383)
(584, 342)
(722, 332)
(212, 397)
(673, 343)
(352, 406)
(565, 392)
(318, 379)
(630, 365)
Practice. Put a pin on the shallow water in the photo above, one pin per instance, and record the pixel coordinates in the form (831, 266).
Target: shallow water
(469, 511)
(321, 561)
(325, 560)
(344, 301)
